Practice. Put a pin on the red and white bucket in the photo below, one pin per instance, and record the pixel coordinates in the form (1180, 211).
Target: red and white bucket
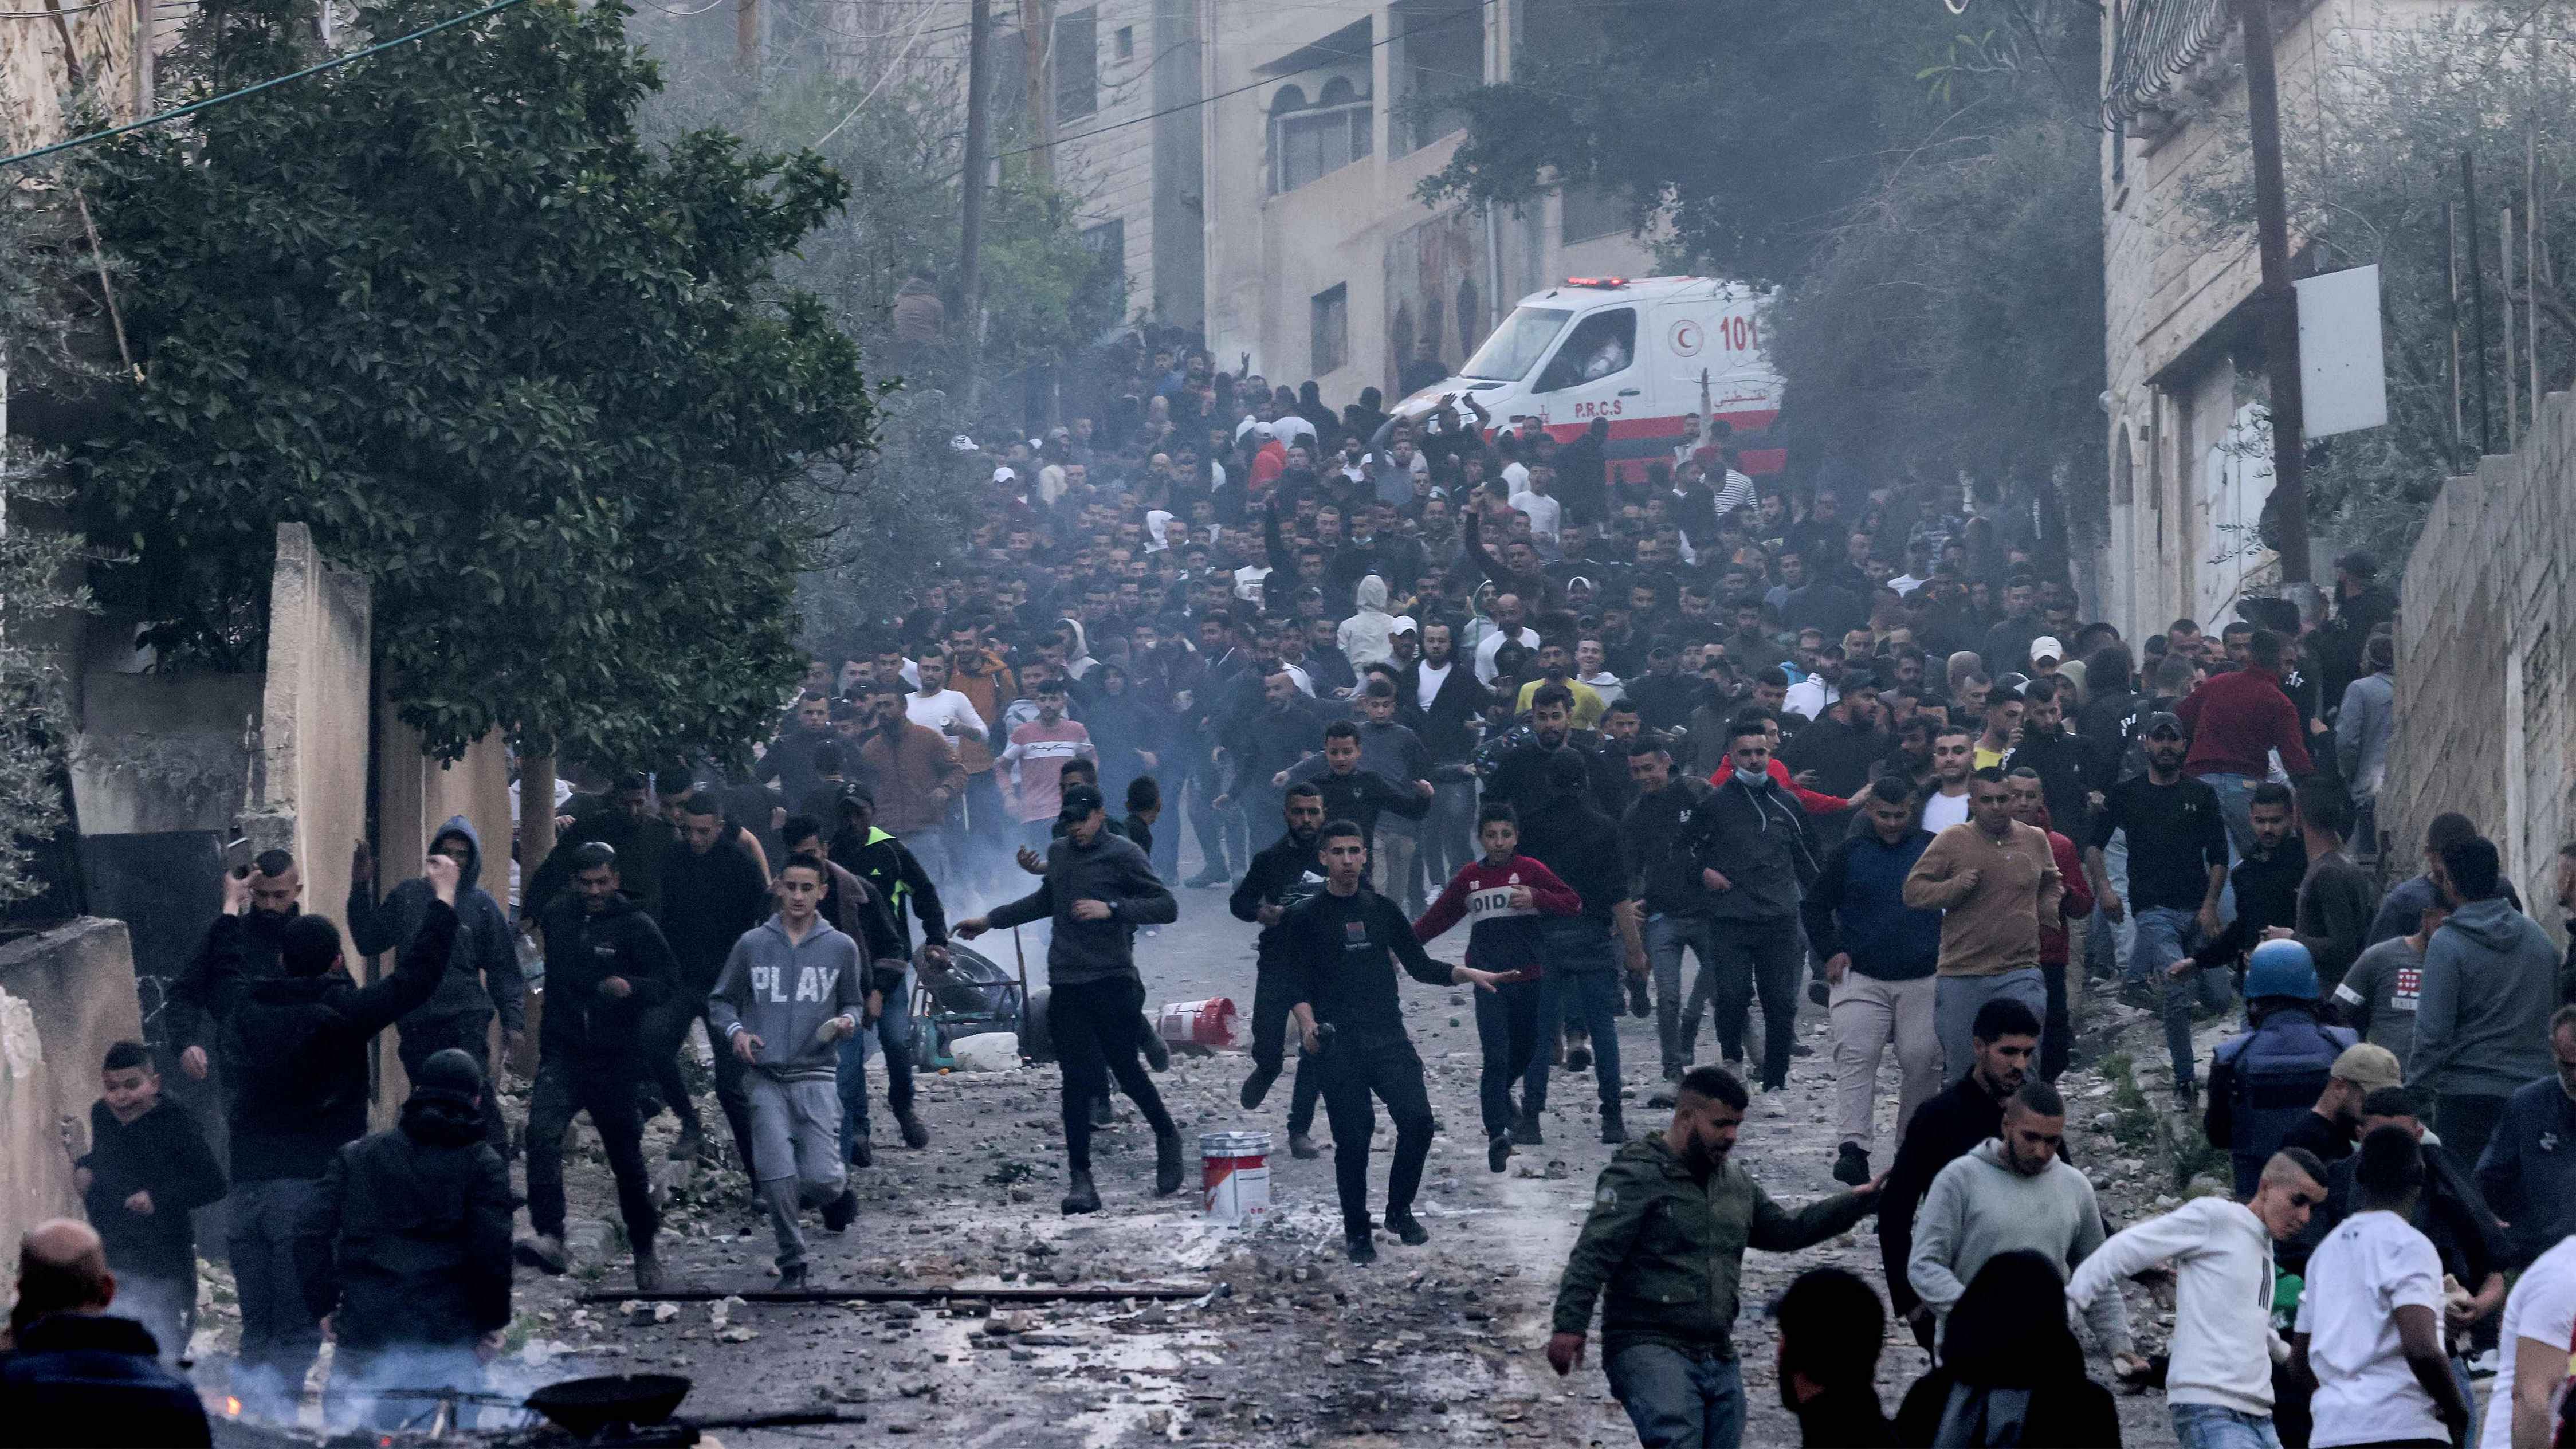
(1210, 1023)
(1234, 1175)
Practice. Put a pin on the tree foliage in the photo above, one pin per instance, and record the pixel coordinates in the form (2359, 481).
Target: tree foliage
(535, 377)
(1923, 186)
(892, 121)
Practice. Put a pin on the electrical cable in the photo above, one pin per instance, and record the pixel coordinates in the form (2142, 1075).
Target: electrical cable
(50, 14)
(316, 69)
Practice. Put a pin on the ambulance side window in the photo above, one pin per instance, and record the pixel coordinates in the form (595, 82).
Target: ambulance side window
(1601, 345)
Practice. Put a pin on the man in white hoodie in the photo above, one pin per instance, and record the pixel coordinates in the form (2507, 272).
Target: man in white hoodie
(2219, 1384)
(1367, 636)
(2013, 1193)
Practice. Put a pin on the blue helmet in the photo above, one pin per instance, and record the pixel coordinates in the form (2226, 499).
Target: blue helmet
(2281, 968)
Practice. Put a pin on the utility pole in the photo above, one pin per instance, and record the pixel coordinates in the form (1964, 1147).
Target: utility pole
(2278, 299)
(746, 32)
(970, 231)
(1037, 34)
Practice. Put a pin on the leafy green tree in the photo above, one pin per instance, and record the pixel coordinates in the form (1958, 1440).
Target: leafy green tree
(535, 377)
(1923, 188)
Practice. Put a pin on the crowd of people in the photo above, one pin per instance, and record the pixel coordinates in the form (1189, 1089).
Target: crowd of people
(1396, 674)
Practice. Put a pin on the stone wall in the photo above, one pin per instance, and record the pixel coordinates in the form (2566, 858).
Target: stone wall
(2483, 668)
(65, 997)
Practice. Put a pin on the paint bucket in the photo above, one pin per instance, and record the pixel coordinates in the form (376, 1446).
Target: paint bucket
(1234, 1175)
(1208, 1024)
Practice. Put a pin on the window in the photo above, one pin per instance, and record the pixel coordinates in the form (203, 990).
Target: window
(1331, 317)
(1076, 59)
(1517, 345)
(1442, 52)
(1601, 345)
(1108, 241)
(1309, 141)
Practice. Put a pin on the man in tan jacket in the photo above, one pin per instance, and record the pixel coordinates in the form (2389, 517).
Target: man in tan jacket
(914, 773)
(1995, 882)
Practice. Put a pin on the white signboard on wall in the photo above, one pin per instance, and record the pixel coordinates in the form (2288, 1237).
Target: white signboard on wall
(2343, 373)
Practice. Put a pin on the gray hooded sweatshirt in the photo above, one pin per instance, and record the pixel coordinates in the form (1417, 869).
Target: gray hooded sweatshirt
(2482, 1017)
(782, 992)
(1979, 1209)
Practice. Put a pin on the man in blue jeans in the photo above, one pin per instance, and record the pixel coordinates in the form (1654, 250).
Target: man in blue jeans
(1661, 834)
(1569, 835)
(2177, 868)
(1663, 1253)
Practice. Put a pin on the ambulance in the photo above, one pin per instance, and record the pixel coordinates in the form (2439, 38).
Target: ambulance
(1652, 356)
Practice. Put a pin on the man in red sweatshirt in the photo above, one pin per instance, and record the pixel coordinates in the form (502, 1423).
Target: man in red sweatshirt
(2236, 720)
(2057, 1027)
(1502, 896)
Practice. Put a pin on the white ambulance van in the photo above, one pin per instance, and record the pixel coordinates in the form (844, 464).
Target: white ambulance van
(1646, 355)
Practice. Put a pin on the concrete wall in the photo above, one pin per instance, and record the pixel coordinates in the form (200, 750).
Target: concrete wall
(314, 718)
(65, 997)
(37, 69)
(2174, 306)
(159, 752)
(2482, 642)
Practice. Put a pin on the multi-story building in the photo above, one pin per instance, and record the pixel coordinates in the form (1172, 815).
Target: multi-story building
(2190, 454)
(1322, 261)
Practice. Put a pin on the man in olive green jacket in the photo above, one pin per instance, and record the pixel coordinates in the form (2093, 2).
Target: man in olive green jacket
(1665, 1242)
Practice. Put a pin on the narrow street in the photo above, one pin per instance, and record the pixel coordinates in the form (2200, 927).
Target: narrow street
(1440, 1344)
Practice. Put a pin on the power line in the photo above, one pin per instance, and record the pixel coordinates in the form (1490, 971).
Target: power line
(194, 106)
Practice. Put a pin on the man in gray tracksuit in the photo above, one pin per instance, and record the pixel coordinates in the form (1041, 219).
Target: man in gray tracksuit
(791, 991)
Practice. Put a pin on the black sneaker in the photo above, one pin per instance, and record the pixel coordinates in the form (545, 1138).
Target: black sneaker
(841, 1211)
(1801, 1049)
(1167, 1162)
(1614, 1127)
(1498, 1152)
(1081, 1196)
(1361, 1247)
(1257, 1086)
(915, 1135)
(1408, 1229)
(790, 1280)
(1851, 1165)
(863, 1153)
(1302, 1147)
(1638, 1002)
(1102, 1113)
(1526, 1133)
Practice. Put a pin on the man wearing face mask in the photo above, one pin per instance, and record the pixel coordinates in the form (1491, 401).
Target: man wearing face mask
(1757, 857)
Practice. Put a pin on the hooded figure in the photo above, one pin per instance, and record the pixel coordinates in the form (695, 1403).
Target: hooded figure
(409, 1245)
(482, 970)
(1077, 659)
(1368, 637)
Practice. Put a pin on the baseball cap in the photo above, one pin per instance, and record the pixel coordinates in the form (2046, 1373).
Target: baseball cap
(1079, 802)
(2360, 565)
(1004, 475)
(1404, 625)
(2047, 647)
(2369, 1067)
(2163, 722)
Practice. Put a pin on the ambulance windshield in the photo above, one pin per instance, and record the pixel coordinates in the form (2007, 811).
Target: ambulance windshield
(1517, 345)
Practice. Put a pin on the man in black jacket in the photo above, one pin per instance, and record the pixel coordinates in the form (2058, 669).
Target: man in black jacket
(713, 890)
(302, 1097)
(1661, 834)
(1098, 889)
(1946, 1128)
(1758, 859)
(482, 971)
(1440, 700)
(1570, 836)
(276, 892)
(411, 1249)
(609, 973)
(2057, 755)
(1344, 943)
(76, 1375)
(1284, 873)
